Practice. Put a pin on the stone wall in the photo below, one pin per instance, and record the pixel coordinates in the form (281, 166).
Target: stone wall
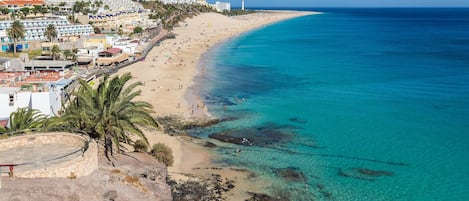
(78, 164)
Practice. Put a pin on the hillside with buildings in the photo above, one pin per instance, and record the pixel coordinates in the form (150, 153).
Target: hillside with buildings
(73, 39)
(59, 42)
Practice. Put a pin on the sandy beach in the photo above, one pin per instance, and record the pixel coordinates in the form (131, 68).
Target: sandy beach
(167, 74)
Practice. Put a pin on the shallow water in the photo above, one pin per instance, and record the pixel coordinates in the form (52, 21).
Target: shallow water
(376, 102)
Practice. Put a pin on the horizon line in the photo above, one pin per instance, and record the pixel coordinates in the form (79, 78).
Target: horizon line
(260, 7)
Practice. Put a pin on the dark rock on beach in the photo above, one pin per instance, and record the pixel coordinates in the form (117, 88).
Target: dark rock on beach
(225, 137)
(176, 126)
(110, 195)
(210, 145)
(262, 197)
(208, 189)
(265, 135)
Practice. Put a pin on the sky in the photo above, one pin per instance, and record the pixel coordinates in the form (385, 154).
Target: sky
(349, 3)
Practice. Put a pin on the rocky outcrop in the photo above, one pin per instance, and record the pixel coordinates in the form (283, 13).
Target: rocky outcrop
(265, 135)
(177, 126)
(136, 176)
(262, 197)
(211, 188)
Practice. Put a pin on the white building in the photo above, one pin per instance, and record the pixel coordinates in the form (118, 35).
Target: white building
(114, 5)
(4, 63)
(57, 2)
(55, 65)
(47, 102)
(221, 6)
(128, 46)
(35, 28)
(43, 91)
(88, 55)
(126, 21)
(179, 1)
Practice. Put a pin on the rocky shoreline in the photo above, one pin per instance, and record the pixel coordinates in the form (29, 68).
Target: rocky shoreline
(134, 176)
(214, 187)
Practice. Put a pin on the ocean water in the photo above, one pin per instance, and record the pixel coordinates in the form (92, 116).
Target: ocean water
(366, 104)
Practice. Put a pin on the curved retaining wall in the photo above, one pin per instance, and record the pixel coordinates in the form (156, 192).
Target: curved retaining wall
(79, 164)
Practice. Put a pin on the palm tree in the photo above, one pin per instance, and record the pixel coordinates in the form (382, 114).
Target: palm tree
(16, 32)
(70, 54)
(24, 118)
(4, 10)
(43, 10)
(36, 9)
(51, 32)
(55, 52)
(110, 112)
(25, 11)
(74, 54)
(67, 53)
(120, 32)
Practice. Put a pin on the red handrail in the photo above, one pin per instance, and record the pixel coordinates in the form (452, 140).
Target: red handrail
(11, 167)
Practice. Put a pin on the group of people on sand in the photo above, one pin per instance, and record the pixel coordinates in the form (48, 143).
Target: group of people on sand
(196, 108)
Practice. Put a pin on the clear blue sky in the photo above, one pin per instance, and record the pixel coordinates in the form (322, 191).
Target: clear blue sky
(349, 3)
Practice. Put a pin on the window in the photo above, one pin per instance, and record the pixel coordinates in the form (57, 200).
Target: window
(12, 99)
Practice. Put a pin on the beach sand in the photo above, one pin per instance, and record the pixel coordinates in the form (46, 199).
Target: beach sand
(168, 72)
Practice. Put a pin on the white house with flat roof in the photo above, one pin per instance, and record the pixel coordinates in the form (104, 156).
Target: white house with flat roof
(57, 65)
(47, 102)
(4, 63)
(221, 6)
(41, 90)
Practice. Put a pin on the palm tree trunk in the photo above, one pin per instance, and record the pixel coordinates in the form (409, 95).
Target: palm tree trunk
(14, 48)
(108, 146)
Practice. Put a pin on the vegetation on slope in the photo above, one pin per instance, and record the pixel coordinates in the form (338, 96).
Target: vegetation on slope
(237, 12)
(171, 14)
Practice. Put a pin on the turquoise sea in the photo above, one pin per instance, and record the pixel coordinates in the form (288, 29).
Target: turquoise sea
(366, 104)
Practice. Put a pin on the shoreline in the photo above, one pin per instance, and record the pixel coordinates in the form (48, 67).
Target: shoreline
(168, 75)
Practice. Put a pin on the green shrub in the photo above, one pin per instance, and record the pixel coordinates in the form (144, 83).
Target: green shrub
(140, 146)
(138, 30)
(163, 154)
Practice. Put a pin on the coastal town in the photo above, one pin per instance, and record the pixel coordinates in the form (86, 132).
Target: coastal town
(59, 54)
(44, 51)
